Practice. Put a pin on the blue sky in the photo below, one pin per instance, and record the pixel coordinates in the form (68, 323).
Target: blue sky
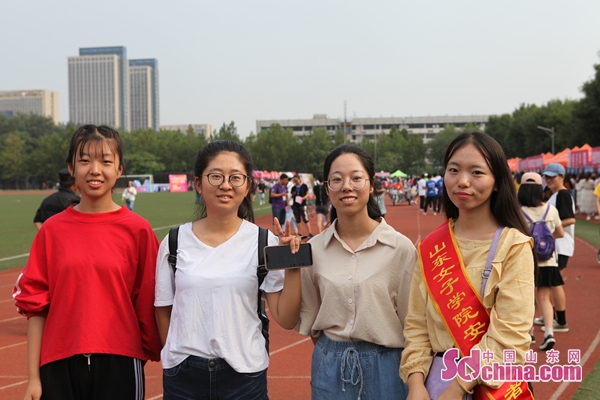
(247, 60)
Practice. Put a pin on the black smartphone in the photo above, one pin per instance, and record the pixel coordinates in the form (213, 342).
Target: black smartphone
(281, 257)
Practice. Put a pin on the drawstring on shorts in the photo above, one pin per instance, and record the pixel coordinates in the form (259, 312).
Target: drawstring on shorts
(351, 359)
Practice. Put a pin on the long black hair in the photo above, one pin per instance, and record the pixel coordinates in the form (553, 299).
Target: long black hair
(503, 204)
(367, 163)
(212, 150)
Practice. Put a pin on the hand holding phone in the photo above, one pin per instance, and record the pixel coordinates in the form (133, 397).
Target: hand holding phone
(287, 237)
(281, 257)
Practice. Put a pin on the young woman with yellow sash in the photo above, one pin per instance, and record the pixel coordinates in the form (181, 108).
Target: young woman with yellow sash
(446, 309)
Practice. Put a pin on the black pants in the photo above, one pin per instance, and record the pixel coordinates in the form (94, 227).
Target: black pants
(430, 202)
(106, 377)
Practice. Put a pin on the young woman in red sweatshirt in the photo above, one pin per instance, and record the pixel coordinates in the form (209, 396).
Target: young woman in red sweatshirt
(88, 286)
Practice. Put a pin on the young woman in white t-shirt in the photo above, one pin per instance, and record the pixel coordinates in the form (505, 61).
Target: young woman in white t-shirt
(531, 199)
(207, 309)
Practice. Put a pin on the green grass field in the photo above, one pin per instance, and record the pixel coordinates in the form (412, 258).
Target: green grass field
(162, 210)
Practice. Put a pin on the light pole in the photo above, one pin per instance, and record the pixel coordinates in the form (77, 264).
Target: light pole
(549, 132)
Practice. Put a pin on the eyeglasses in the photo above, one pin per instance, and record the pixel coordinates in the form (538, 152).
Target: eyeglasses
(235, 180)
(356, 182)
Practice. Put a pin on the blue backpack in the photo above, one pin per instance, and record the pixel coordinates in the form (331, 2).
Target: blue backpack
(543, 241)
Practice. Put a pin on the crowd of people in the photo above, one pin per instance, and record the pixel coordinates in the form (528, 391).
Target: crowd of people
(103, 296)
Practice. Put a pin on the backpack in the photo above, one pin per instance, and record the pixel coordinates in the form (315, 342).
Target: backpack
(543, 241)
(261, 272)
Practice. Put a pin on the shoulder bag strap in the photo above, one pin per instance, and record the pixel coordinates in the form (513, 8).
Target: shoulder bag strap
(173, 243)
(261, 272)
(488, 264)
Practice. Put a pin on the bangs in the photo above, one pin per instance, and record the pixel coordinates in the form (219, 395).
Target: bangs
(94, 146)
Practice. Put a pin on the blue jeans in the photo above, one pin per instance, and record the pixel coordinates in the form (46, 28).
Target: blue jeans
(353, 370)
(198, 378)
(129, 204)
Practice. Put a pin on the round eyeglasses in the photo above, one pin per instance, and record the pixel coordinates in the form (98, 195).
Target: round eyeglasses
(235, 180)
(356, 182)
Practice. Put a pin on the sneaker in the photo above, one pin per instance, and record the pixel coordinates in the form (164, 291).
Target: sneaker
(548, 343)
(538, 321)
(557, 327)
(424, 212)
(532, 338)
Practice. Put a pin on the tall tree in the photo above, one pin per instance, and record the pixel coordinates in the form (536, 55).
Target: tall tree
(587, 111)
(439, 144)
(228, 132)
(13, 158)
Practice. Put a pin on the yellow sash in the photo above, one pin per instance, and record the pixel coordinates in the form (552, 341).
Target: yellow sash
(459, 303)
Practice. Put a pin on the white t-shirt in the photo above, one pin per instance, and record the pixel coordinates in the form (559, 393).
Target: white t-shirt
(552, 221)
(215, 305)
(566, 244)
(421, 187)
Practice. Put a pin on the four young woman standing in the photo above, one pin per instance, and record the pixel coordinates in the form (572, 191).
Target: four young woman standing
(357, 301)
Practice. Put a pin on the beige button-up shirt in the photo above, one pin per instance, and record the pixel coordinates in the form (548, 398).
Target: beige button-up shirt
(358, 295)
(509, 298)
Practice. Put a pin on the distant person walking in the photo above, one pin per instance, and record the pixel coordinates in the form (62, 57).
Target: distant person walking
(59, 201)
(299, 193)
(565, 247)
(88, 286)
(129, 195)
(535, 210)
(278, 198)
(321, 203)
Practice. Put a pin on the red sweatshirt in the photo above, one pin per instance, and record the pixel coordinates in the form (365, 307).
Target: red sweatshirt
(92, 277)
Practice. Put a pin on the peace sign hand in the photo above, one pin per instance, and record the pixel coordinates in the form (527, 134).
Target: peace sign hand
(287, 237)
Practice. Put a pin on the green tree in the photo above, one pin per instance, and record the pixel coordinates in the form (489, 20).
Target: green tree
(437, 147)
(587, 111)
(413, 155)
(49, 155)
(228, 132)
(13, 158)
(272, 148)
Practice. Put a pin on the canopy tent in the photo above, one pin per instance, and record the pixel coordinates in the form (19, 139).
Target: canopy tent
(398, 174)
(513, 164)
(561, 158)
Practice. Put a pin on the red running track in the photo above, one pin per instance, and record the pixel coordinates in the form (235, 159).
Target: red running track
(289, 371)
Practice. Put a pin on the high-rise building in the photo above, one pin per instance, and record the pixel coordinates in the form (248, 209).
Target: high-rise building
(140, 92)
(100, 75)
(95, 91)
(40, 102)
(144, 92)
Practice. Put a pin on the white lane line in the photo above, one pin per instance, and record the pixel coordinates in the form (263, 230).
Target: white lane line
(290, 346)
(563, 386)
(14, 384)
(10, 319)
(156, 397)
(12, 345)
(13, 257)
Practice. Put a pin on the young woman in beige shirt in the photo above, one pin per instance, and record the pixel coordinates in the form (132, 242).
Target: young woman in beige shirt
(355, 296)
